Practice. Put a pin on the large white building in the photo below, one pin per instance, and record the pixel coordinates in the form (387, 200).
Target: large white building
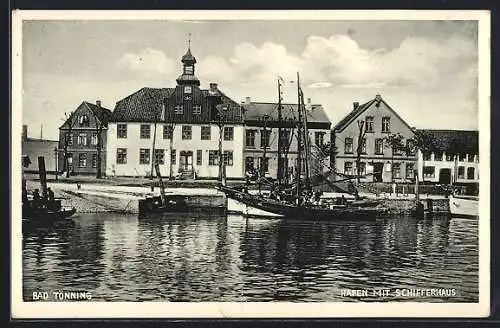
(454, 159)
(179, 128)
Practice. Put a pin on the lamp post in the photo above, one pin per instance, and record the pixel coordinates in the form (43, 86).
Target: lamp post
(70, 165)
(55, 163)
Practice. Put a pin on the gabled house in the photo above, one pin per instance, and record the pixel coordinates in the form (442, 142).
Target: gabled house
(378, 161)
(82, 140)
(178, 128)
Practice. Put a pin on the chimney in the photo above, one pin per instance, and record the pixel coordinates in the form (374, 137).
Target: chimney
(25, 132)
(98, 103)
(378, 97)
(248, 100)
(308, 101)
(213, 86)
(355, 105)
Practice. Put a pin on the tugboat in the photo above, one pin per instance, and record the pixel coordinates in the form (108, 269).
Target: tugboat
(42, 209)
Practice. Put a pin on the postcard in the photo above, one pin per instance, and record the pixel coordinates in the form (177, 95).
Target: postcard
(250, 164)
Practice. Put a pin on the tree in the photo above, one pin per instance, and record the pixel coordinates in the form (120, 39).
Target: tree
(395, 143)
(68, 119)
(99, 126)
(423, 141)
(359, 148)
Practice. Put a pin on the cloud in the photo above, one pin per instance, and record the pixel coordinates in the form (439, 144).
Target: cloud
(319, 85)
(147, 62)
(339, 60)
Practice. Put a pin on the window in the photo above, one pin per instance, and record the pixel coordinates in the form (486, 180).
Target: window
(264, 138)
(84, 120)
(228, 133)
(213, 157)
(94, 160)
(348, 145)
(145, 131)
(250, 139)
(462, 157)
(470, 173)
(205, 133)
(396, 150)
(285, 138)
(167, 131)
(188, 70)
(178, 109)
(82, 139)
(348, 168)
(121, 130)
(82, 160)
(438, 156)
(429, 171)
(369, 124)
(410, 148)
(396, 170)
(471, 158)
(363, 146)
(160, 156)
(186, 132)
(362, 168)
(318, 138)
(461, 172)
(386, 124)
(227, 157)
(69, 138)
(427, 156)
(94, 141)
(449, 157)
(173, 157)
(196, 109)
(379, 146)
(121, 156)
(264, 164)
(188, 89)
(409, 170)
(249, 164)
(144, 156)
(199, 157)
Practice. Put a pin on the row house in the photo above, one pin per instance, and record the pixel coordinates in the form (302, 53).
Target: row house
(262, 138)
(179, 128)
(82, 138)
(378, 160)
(453, 159)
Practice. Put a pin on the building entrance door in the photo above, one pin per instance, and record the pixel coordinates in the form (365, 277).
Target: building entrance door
(378, 168)
(186, 160)
(445, 176)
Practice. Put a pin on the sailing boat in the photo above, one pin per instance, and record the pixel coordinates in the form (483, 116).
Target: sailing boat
(299, 201)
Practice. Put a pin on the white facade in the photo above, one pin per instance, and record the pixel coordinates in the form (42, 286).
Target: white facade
(437, 168)
(190, 149)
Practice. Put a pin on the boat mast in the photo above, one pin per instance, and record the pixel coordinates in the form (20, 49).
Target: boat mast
(299, 140)
(306, 139)
(280, 118)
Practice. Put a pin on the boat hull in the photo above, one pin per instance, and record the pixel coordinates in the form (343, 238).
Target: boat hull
(46, 217)
(464, 207)
(315, 213)
(235, 206)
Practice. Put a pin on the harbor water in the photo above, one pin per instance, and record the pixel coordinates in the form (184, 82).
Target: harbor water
(194, 258)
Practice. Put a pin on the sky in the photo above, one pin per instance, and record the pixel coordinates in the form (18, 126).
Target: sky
(425, 70)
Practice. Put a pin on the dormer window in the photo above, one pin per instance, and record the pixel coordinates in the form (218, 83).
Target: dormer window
(188, 89)
(178, 109)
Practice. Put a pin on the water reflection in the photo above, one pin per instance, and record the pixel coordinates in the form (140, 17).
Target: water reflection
(198, 258)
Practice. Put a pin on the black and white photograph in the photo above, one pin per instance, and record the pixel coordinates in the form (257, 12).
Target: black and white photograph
(250, 163)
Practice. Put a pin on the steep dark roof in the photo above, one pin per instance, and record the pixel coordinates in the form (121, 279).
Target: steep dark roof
(256, 110)
(100, 112)
(188, 57)
(455, 141)
(142, 106)
(349, 118)
(352, 115)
